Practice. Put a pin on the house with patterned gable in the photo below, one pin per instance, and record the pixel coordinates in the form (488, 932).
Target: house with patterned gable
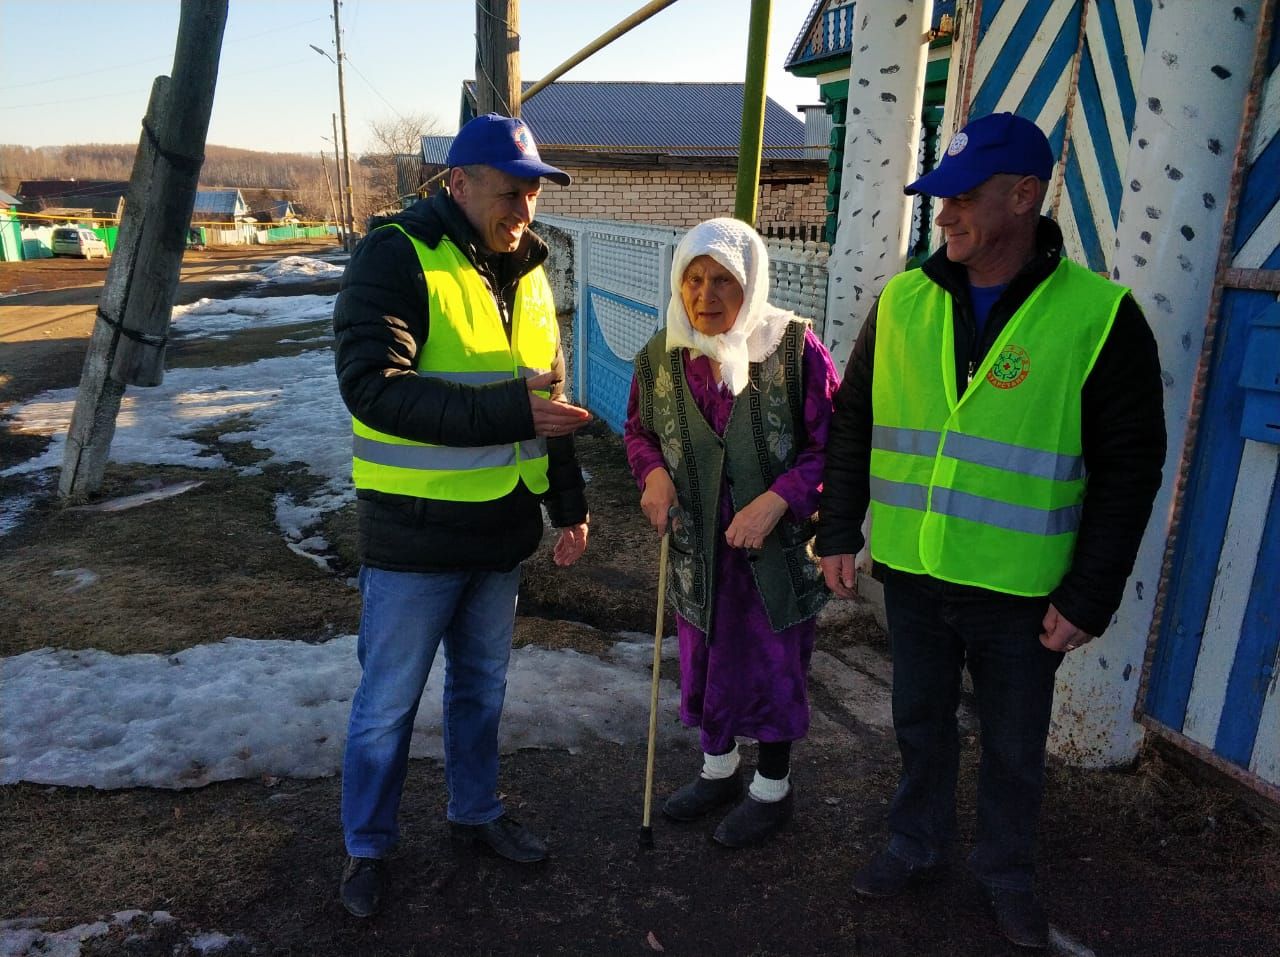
(823, 50)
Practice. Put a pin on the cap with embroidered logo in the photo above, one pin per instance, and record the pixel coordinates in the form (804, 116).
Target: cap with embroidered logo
(505, 144)
(996, 143)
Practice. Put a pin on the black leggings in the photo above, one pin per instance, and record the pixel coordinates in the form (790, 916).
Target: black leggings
(775, 759)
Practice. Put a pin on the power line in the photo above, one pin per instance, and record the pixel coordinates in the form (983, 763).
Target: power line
(369, 83)
(116, 68)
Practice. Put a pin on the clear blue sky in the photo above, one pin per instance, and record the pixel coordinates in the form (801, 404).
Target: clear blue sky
(404, 56)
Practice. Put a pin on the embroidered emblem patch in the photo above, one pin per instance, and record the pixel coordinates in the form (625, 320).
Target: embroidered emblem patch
(524, 142)
(958, 142)
(1010, 368)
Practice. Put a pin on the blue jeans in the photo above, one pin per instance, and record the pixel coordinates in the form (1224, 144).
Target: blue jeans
(404, 618)
(937, 629)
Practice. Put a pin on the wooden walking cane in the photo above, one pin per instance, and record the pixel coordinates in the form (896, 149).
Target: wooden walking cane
(646, 831)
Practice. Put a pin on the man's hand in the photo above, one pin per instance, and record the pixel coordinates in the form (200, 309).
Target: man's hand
(841, 575)
(553, 416)
(658, 498)
(1060, 634)
(751, 526)
(570, 545)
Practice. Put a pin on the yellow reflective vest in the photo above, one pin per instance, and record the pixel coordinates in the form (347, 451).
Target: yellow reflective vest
(986, 488)
(467, 344)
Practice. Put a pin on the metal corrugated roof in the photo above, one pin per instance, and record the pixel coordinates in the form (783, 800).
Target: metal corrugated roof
(435, 149)
(217, 201)
(691, 119)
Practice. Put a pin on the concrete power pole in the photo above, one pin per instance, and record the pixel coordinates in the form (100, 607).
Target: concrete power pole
(346, 153)
(328, 185)
(337, 174)
(498, 57)
(129, 337)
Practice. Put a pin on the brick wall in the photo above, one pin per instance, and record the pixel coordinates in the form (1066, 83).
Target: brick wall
(680, 198)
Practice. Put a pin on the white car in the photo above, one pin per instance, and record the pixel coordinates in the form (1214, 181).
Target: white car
(78, 241)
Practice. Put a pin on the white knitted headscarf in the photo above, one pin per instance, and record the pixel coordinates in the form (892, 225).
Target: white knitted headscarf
(759, 327)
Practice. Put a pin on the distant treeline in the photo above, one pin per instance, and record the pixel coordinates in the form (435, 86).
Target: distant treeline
(223, 166)
(297, 175)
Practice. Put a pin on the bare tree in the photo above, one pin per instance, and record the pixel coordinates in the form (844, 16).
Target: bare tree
(398, 136)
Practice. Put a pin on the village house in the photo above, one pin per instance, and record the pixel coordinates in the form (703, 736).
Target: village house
(661, 153)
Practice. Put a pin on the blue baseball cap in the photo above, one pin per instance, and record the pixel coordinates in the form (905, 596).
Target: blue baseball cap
(997, 143)
(505, 144)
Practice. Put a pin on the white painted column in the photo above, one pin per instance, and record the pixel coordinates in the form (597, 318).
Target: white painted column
(1195, 76)
(882, 134)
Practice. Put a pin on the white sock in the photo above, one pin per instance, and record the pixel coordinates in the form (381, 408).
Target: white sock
(716, 767)
(769, 790)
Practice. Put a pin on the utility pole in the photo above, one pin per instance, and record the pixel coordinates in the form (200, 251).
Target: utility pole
(337, 172)
(498, 57)
(753, 105)
(342, 108)
(333, 207)
(128, 342)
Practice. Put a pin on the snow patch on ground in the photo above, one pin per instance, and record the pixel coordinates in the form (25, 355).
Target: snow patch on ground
(242, 708)
(300, 269)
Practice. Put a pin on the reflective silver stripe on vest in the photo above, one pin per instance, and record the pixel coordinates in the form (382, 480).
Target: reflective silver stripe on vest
(439, 458)
(533, 449)
(900, 494)
(988, 511)
(467, 378)
(1017, 518)
(908, 441)
(1013, 458)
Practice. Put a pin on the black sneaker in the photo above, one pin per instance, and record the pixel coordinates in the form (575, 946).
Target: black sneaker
(753, 822)
(702, 795)
(363, 880)
(887, 875)
(1020, 917)
(506, 837)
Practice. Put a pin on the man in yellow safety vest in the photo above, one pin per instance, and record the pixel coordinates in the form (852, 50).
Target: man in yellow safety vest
(1001, 414)
(448, 357)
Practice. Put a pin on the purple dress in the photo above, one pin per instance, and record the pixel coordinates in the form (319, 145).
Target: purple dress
(748, 679)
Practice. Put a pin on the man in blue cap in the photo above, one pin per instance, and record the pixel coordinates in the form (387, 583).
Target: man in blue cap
(1001, 414)
(448, 357)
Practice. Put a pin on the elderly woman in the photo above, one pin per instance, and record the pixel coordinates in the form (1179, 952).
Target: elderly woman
(726, 427)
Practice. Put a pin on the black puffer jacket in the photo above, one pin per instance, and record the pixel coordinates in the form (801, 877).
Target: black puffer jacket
(380, 322)
(1122, 431)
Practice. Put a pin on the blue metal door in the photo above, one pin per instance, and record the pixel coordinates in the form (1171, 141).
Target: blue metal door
(1212, 685)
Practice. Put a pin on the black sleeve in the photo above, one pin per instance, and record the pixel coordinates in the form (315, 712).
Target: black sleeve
(380, 322)
(565, 498)
(1123, 434)
(846, 480)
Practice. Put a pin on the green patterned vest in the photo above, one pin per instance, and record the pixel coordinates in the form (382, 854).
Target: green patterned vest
(759, 445)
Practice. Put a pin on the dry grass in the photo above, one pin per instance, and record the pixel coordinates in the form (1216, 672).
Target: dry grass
(175, 573)
(71, 853)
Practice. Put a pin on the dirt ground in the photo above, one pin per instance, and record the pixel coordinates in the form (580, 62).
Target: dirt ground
(1144, 861)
